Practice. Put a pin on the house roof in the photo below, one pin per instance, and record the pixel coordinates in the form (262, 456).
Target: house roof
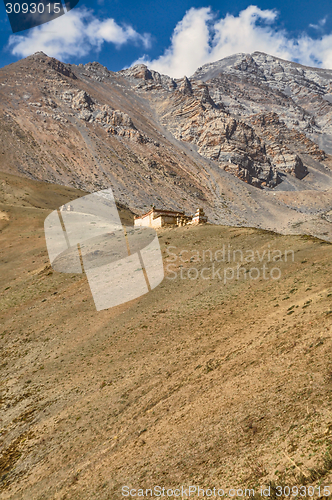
(159, 212)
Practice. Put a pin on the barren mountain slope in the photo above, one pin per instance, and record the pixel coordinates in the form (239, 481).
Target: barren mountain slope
(234, 138)
(45, 135)
(200, 382)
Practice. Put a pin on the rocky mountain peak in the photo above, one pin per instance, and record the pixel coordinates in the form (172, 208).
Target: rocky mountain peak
(140, 71)
(185, 86)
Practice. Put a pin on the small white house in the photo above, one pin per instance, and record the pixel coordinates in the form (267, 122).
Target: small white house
(162, 218)
(159, 218)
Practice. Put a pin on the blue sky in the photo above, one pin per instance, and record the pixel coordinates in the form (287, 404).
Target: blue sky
(177, 37)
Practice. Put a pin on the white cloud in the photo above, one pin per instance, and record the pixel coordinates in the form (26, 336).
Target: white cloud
(74, 34)
(200, 38)
(319, 26)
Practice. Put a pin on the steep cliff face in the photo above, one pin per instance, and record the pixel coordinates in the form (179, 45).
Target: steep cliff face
(253, 114)
(188, 111)
(289, 103)
(232, 139)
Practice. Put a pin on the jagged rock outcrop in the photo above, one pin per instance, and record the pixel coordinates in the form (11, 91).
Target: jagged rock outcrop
(280, 141)
(81, 101)
(290, 163)
(148, 79)
(61, 68)
(53, 63)
(247, 170)
(113, 120)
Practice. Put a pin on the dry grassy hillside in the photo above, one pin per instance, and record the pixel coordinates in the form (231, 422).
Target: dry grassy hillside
(199, 382)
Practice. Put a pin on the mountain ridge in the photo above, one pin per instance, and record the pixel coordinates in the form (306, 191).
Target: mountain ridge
(225, 142)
